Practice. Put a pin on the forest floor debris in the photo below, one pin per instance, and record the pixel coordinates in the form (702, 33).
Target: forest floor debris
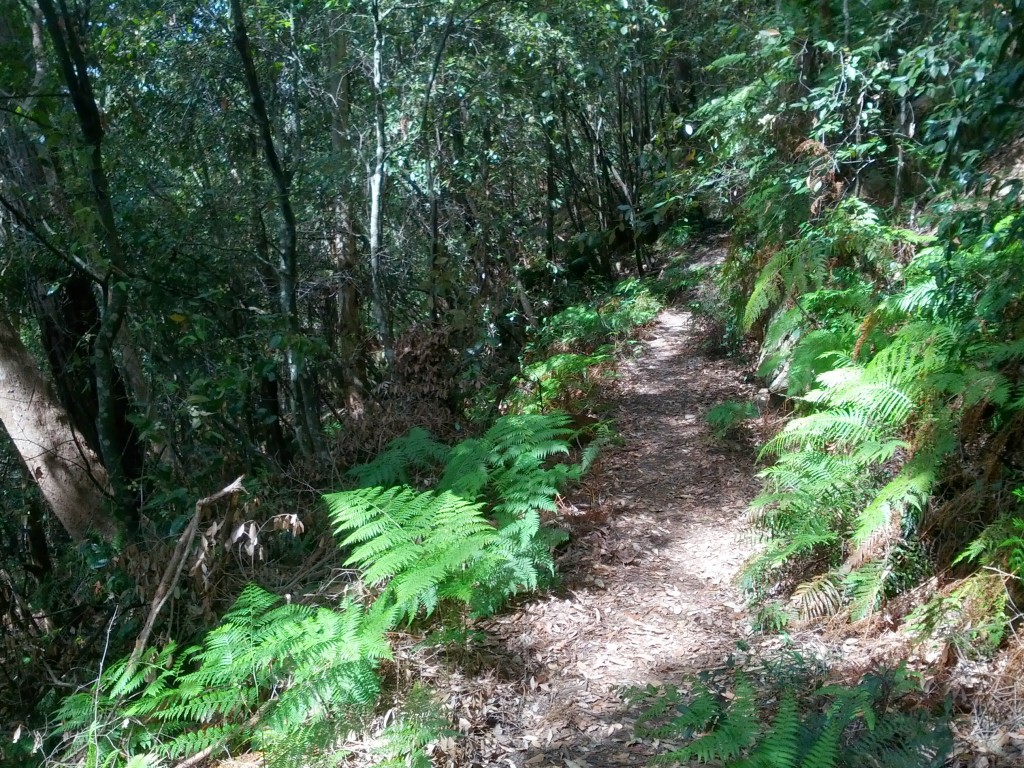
(648, 589)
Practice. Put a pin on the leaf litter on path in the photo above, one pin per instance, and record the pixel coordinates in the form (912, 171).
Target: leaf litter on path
(648, 591)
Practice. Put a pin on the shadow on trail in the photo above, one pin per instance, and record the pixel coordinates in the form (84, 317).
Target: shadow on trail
(647, 589)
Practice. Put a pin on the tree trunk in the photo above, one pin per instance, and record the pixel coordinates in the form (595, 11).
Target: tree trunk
(347, 329)
(65, 33)
(69, 474)
(380, 314)
(307, 420)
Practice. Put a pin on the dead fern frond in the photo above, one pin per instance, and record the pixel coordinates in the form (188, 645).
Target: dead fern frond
(819, 597)
(880, 541)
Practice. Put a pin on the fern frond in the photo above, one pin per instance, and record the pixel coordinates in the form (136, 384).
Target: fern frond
(413, 541)
(538, 435)
(734, 731)
(839, 428)
(780, 748)
(866, 585)
(818, 597)
(824, 752)
(191, 742)
(909, 490)
(814, 355)
(466, 472)
(985, 387)
(999, 353)
(398, 462)
(767, 288)
(921, 297)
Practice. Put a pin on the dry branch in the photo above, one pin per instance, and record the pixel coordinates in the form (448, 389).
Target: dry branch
(176, 564)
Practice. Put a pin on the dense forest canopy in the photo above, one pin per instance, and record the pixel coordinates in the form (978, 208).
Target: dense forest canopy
(375, 249)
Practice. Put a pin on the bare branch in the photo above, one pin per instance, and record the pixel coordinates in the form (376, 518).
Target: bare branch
(177, 563)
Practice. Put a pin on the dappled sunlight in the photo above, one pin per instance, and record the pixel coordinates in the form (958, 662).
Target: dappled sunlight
(648, 582)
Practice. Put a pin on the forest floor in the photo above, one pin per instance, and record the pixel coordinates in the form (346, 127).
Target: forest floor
(648, 591)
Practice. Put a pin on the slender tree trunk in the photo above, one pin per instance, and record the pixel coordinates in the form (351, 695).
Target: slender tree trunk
(69, 474)
(551, 196)
(347, 327)
(286, 267)
(380, 313)
(436, 265)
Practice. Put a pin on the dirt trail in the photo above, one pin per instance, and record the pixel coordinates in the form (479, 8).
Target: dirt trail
(648, 592)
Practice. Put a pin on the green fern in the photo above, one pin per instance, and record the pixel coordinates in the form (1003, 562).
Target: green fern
(834, 481)
(563, 380)
(287, 666)
(404, 742)
(767, 290)
(794, 269)
(402, 460)
(780, 747)
(420, 548)
(285, 678)
(734, 729)
(725, 417)
(971, 615)
(724, 719)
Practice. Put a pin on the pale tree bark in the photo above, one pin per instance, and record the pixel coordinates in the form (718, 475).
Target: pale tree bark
(67, 32)
(377, 180)
(69, 474)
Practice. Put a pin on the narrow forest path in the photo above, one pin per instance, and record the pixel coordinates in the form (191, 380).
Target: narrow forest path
(648, 592)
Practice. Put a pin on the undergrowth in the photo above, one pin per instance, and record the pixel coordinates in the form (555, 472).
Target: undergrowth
(430, 525)
(725, 417)
(783, 714)
(573, 353)
(882, 272)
